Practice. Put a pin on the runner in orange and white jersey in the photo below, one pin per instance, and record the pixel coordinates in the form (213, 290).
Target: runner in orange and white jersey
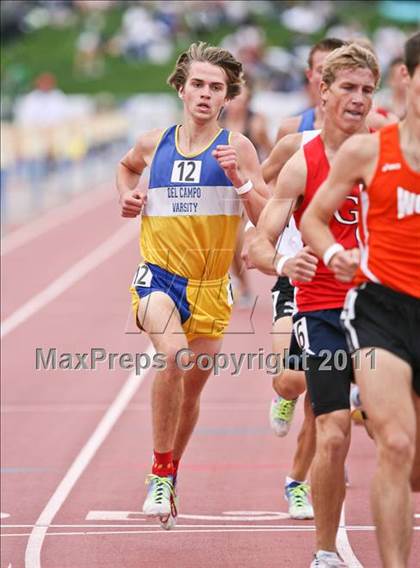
(391, 220)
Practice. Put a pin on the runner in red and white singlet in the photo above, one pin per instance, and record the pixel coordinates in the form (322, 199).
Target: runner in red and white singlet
(289, 383)
(350, 75)
(324, 291)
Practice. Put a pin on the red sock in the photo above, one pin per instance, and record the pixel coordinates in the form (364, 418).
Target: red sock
(163, 464)
(176, 465)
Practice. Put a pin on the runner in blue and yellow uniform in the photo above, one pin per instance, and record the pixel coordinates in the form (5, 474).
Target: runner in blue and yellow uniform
(201, 177)
(189, 223)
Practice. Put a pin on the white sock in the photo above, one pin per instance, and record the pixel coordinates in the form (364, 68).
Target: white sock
(290, 480)
(328, 553)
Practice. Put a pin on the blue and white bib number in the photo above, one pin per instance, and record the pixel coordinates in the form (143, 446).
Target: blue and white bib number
(300, 329)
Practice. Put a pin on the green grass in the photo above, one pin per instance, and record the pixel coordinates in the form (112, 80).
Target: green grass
(51, 49)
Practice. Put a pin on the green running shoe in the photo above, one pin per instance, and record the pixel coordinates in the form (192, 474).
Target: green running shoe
(297, 495)
(281, 415)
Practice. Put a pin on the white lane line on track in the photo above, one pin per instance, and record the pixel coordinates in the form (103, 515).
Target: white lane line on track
(343, 545)
(156, 529)
(181, 526)
(55, 217)
(126, 393)
(109, 247)
(159, 531)
(249, 516)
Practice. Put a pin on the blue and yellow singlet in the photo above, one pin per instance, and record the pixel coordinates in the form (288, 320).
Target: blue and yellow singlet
(192, 214)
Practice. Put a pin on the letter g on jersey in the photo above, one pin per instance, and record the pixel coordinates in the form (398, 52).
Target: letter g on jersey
(348, 213)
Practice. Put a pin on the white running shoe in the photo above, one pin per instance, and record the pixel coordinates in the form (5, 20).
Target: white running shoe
(327, 560)
(170, 522)
(297, 495)
(281, 415)
(161, 500)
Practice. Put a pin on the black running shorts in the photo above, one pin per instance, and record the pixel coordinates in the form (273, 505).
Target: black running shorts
(326, 360)
(282, 294)
(376, 316)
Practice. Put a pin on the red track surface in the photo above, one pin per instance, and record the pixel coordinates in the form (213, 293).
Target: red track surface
(233, 465)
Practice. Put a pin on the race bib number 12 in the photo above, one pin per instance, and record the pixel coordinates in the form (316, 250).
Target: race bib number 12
(186, 171)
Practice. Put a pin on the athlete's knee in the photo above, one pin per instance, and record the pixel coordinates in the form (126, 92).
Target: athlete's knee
(178, 359)
(396, 447)
(333, 436)
(284, 387)
(333, 443)
(289, 384)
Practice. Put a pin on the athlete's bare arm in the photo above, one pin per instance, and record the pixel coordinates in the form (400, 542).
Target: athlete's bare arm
(239, 161)
(282, 151)
(289, 189)
(354, 163)
(271, 167)
(288, 126)
(130, 169)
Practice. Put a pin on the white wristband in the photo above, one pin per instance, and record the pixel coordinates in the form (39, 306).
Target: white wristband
(281, 263)
(330, 252)
(249, 225)
(245, 188)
